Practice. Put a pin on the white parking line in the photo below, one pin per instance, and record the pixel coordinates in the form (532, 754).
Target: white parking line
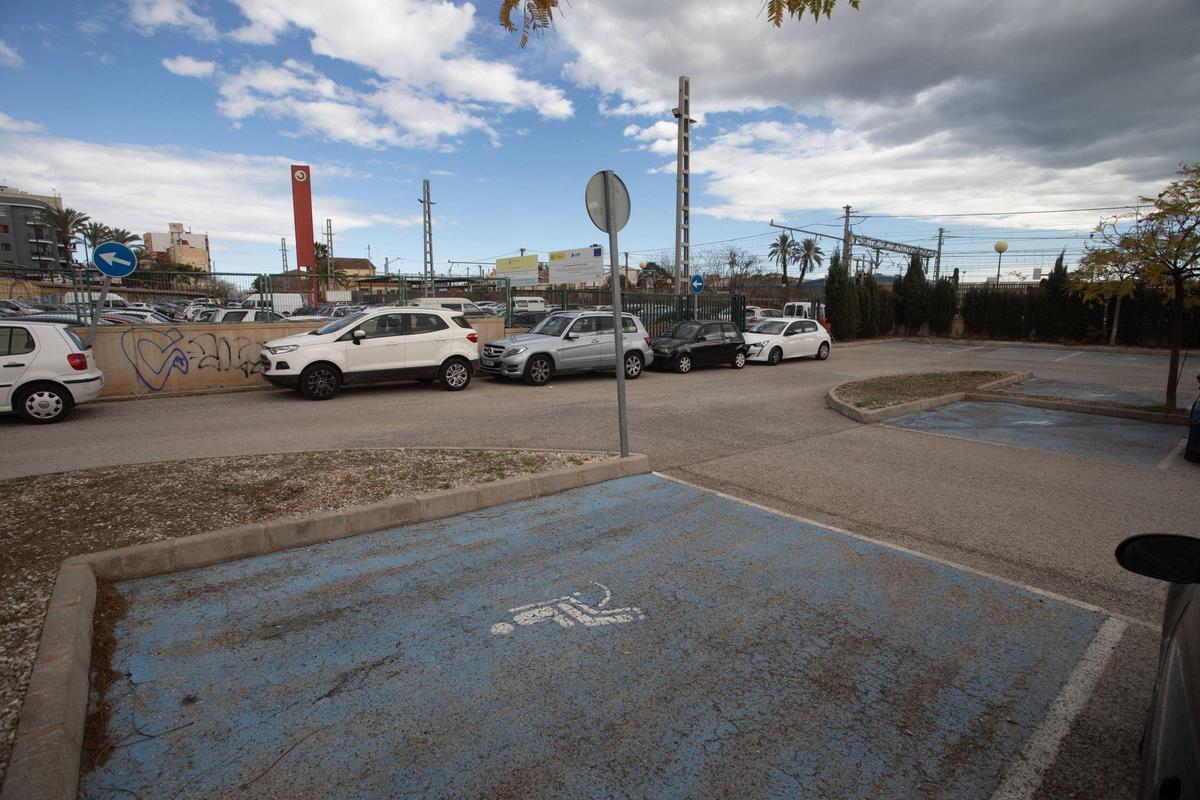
(1071, 355)
(1024, 775)
(1170, 457)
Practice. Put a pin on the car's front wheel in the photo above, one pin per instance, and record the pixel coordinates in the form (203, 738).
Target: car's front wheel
(775, 357)
(823, 351)
(739, 360)
(633, 366)
(320, 382)
(44, 403)
(683, 364)
(454, 375)
(538, 371)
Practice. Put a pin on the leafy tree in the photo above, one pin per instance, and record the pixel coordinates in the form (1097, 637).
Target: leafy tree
(782, 249)
(913, 296)
(94, 232)
(653, 278)
(841, 293)
(66, 223)
(1106, 273)
(811, 255)
(123, 236)
(1165, 244)
(538, 15)
(943, 305)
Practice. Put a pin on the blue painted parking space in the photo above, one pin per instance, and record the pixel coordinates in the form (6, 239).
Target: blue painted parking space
(1080, 390)
(638, 638)
(1087, 435)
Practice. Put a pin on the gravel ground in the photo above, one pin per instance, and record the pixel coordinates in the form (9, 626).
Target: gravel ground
(892, 390)
(49, 518)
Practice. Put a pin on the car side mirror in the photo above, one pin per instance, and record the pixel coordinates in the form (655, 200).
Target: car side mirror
(1163, 556)
(572, 335)
(359, 335)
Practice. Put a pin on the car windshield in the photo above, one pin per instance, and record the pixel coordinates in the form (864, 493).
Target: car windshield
(552, 326)
(772, 327)
(684, 330)
(339, 324)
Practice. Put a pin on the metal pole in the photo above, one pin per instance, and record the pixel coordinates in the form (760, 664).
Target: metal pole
(999, 257)
(937, 261)
(96, 308)
(847, 240)
(618, 320)
(683, 186)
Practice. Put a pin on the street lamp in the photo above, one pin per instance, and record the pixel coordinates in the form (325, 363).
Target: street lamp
(999, 247)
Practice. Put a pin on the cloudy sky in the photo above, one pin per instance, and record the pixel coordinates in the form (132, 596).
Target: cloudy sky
(920, 114)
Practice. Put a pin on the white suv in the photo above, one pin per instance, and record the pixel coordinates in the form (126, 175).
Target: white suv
(376, 346)
(44, 371)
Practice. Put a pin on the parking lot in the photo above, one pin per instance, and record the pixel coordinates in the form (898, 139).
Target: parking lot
(1048, 520)
(640, 638)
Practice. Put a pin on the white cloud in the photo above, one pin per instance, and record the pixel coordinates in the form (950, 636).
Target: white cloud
(10, 125)
(8, 56)
(189, 67)
(759, 171)
(235, 197)
(150, 15)
(424, 83)
(1008, 105)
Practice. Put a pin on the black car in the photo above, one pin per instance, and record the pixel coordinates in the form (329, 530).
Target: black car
(1170, 748)
(1192, 452)
(527, 319)
(700, 343)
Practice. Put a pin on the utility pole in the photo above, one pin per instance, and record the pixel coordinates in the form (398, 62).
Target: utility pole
(847, 239)
(683, 184)
(426, 204)
(283, 252)
(368, 252)
(937, 261)
(328, 252)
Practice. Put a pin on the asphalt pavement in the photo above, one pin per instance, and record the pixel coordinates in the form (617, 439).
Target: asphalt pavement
(639, 638)
(1048, 520)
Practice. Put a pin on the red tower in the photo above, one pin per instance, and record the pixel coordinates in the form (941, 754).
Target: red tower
(302, 208)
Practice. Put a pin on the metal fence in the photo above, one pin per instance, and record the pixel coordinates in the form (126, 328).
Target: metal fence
(77, 290)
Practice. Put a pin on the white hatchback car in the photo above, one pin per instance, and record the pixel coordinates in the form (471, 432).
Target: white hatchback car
(375, 346)
(45, 371)
(773, 340)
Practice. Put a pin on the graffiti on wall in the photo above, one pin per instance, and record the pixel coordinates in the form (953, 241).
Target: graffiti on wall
(157, 355)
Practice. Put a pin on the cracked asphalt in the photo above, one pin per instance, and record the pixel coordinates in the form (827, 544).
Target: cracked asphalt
(1049, 520)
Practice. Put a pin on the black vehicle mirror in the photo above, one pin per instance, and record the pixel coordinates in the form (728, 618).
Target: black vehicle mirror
(359, 335)
(1164, 556)
(572, 335)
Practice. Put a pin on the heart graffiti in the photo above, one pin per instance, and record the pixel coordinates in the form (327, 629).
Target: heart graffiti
(154, 355)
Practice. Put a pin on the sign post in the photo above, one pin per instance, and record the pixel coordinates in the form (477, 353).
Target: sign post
(697, 286)
(607, 202)
(114, 260)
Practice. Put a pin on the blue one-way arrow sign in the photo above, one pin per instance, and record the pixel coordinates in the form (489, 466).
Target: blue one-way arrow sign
(697, 284)
(114, 259)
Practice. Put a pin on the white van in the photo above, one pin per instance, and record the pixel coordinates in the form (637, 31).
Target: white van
(462, 306)
(528, 304)
(798, 309)
(282, 302)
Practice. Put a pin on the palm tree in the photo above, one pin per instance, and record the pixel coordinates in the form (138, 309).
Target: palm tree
(810, 255)
(122, 236)
(66, 223)
(94, 233)
(781, 250)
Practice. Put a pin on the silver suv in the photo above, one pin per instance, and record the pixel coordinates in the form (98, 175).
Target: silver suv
(568, 341)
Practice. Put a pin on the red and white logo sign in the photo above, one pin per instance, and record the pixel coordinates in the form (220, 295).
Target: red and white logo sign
(300, 175)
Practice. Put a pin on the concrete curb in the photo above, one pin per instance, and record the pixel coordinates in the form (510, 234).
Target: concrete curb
(49, 741)
(880, 414)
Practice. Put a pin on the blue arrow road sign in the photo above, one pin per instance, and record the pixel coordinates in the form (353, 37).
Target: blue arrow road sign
(697, 284)
(114, 259)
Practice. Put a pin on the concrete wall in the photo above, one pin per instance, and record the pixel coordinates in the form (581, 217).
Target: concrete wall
(141, 360)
